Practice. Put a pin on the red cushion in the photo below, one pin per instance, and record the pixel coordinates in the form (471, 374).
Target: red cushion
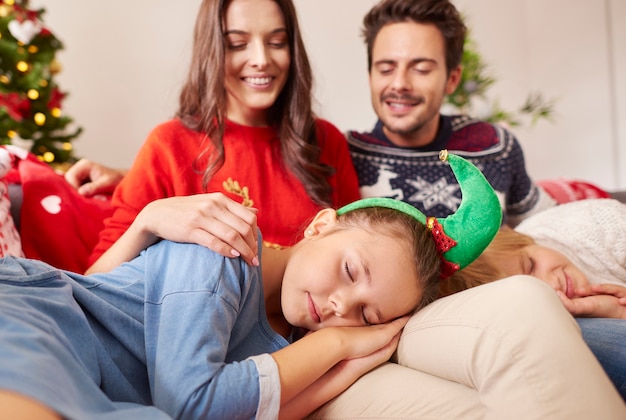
(58, 225)
(565, 190)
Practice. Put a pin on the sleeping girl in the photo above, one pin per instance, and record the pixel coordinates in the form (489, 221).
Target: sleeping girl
(181, 331)
(578, 248)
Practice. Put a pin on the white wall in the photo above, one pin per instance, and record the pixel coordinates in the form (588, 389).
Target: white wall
(123, 64)
(617, 18)
(125, 60)
(339, 60)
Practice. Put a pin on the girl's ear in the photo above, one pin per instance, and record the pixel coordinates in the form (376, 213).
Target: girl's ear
(322, 221)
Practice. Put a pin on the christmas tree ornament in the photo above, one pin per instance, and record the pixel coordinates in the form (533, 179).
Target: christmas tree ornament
(22, 66)
(40, 119)
(24, 31)
(55, 67)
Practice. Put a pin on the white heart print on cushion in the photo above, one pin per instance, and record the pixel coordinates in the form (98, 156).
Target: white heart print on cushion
(24, 31)
(52, 204)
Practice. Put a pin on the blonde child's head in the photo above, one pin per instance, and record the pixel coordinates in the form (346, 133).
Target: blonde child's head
(491, 264)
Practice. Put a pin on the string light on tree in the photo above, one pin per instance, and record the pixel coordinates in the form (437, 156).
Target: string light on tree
(31, 110)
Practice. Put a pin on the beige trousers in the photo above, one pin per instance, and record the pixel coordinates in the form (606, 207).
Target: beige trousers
(505, 350)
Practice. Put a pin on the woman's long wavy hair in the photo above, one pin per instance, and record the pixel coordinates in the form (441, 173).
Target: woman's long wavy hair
(202, 103)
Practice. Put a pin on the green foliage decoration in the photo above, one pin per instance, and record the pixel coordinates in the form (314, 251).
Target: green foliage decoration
(474, 85)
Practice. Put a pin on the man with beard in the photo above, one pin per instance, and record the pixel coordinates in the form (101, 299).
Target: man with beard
(414, 58)
(414, 53)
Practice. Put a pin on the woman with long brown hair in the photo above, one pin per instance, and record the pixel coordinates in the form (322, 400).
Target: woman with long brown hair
(244, 128)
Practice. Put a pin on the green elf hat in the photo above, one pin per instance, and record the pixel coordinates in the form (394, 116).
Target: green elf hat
(462, 236)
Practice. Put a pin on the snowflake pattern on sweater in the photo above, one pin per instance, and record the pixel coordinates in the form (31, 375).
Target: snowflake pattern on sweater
(417, 176)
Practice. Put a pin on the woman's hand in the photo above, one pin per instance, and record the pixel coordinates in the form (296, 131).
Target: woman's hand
(91, 178)
(212, 220)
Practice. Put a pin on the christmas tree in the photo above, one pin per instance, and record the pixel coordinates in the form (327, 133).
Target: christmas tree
(30, 101)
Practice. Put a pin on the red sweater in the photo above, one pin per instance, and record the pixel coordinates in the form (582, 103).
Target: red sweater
(164, 168)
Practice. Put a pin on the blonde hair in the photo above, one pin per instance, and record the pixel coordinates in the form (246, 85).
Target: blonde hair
(488, 266)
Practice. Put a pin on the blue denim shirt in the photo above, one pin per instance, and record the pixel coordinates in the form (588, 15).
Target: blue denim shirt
(179, 327)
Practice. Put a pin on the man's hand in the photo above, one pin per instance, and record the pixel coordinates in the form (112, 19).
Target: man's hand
(91, 178)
